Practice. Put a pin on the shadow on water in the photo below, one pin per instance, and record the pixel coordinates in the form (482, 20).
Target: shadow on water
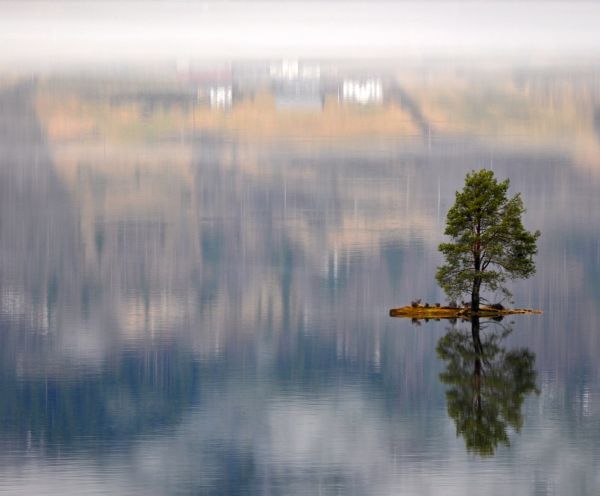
(487, 383)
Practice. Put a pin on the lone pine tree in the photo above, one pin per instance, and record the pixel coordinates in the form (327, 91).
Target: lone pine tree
(489, 244)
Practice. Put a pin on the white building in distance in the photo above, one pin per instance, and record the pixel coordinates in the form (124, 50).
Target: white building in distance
(221, 97)
(291, 70)
(362, 92)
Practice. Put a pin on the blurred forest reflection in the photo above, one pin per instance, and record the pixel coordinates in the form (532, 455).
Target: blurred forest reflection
(178, 275)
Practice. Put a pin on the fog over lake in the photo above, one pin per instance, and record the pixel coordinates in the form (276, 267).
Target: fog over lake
(63, 33)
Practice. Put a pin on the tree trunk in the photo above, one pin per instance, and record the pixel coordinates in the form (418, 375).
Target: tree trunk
(477, 365)
(477, 387)
(475, 295)
(475, 327)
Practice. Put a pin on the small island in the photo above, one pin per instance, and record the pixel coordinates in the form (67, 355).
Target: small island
(488, 246)
(448, 312)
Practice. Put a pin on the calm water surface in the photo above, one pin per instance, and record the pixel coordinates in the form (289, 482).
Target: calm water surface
(194, 300)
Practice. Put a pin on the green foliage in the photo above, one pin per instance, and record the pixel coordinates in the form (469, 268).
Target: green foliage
(487, 386)
(489, 243)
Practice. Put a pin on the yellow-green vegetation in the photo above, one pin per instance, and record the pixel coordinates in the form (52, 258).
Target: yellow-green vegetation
(260, 118)
(534, 109)
(74, 117)
(502, 104)
(73, 113)
(422, 312)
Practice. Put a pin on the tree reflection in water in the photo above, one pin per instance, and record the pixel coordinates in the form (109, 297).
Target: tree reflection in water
(488, 384)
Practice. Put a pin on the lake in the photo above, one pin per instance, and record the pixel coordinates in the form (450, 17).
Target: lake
(196, 269)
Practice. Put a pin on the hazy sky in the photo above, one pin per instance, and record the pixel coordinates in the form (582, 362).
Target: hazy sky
(66, 32)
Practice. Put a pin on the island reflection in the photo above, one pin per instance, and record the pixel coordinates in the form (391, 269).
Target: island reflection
(487, 383)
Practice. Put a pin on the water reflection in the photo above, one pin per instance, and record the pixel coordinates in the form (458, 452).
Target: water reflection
(195, 298)
(135, 393)
(487, 383)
